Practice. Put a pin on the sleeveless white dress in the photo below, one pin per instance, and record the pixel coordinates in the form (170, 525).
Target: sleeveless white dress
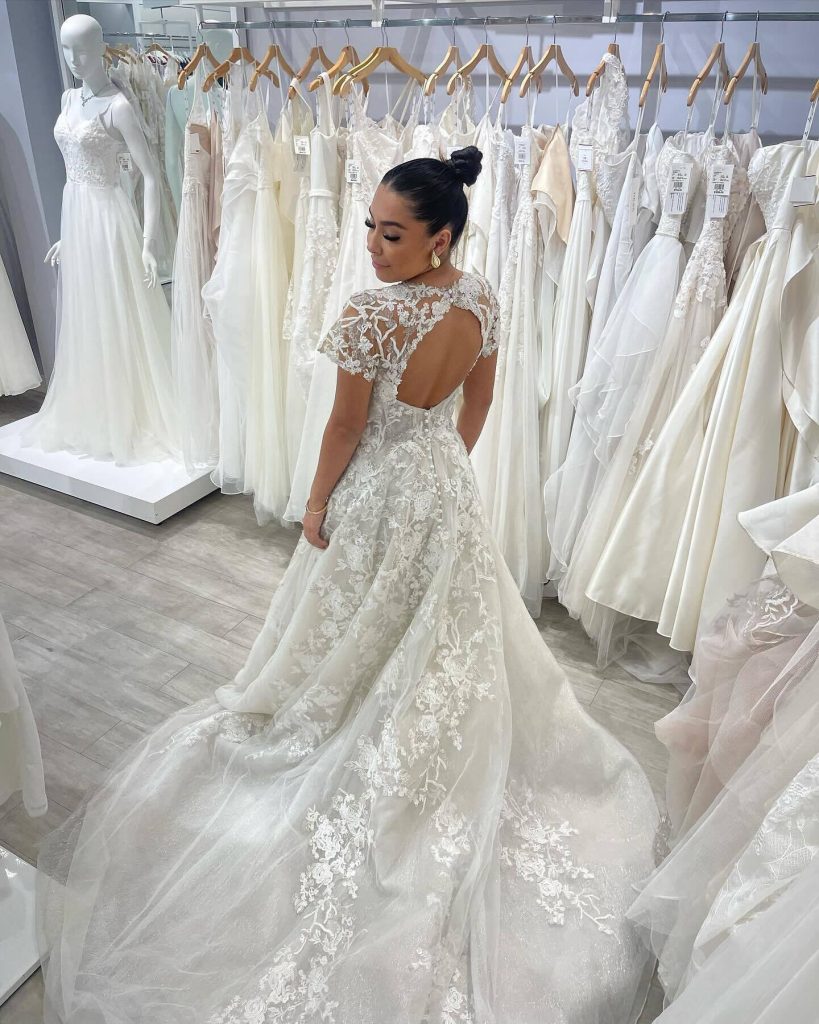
(398, 811)
(111, 392)
(18, 368)
(193, 347)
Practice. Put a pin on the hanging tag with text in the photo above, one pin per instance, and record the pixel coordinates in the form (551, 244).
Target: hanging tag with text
(803, 190)
(718, 195)
(352, 172)
(523, 151)
(301, 145)
(125, 162)
(676, 198)
(585, 158)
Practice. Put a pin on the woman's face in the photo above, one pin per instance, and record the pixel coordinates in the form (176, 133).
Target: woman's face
(399, 245)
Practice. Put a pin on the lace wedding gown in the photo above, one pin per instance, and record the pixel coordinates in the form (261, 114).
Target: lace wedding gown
(18, 369)
(111, 393)
(397, 812)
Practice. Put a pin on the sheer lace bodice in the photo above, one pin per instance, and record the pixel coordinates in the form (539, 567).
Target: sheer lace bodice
(90, 152)
(601, 121)
(673, 154)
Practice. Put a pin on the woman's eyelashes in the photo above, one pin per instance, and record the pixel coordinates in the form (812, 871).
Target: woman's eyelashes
(389, 238)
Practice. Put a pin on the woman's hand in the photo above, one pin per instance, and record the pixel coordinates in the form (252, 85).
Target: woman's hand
(312, 525)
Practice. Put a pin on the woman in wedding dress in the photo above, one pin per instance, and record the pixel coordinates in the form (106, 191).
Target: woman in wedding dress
(397, 811)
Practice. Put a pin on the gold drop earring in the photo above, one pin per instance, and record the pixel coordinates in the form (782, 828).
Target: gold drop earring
(435, 260)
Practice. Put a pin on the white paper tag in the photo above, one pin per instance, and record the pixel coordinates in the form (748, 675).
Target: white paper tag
(803, 190)
(585, 158)
(718, 193)
(634, 200)
(125, 161)
(301, 145)
(523, 151)
(676, 198)
(352, 171)
(196, 144)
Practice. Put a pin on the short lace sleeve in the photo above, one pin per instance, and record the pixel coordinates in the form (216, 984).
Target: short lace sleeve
(490, 321)
(349, 342)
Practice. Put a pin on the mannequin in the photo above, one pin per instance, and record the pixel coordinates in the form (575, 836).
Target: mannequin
(83, 48)
(110, 395)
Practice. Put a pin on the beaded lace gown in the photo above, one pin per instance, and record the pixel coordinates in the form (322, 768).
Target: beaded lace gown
(397, 811)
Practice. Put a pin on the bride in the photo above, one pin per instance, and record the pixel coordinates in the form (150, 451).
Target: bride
(397, 813)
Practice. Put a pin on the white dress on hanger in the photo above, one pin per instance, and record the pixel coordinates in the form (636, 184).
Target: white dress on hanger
(506, 456)
(599, 128)
(245, 298)
(503, 200)
(599, 553)
(373, 148)
(111, 392)
(398, 811)
(619, 355)
(18, 368)
(193, 347)
(309, 290)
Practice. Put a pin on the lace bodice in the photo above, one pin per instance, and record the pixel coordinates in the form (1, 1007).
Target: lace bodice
(90, 152)
(381, 328)
(601, 121)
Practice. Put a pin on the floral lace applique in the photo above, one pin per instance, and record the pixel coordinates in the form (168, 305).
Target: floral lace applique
(540, 852)
(639, 455)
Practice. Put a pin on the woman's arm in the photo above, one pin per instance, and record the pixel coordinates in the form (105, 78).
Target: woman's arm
(341, 436)
(477, 398)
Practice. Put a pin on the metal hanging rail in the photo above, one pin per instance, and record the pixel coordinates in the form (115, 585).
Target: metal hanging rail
(551, 20)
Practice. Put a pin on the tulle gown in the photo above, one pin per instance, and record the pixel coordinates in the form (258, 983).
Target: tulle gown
(193, 347)
(397, 812)
(245, 298)
(111, 392)
(18, 369)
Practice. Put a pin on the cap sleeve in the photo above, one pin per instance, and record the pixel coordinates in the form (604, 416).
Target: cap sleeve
(489, 316)
(350, 343)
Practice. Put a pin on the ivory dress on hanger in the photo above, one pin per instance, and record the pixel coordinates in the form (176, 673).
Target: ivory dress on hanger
(111, 392)
(398, 811)
(193, 347)
(18, 368)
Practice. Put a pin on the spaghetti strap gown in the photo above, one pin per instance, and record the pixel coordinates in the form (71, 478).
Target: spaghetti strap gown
(397, 811)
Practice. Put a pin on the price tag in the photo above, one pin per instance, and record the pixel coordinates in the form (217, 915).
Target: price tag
(718, 193)
(301, 145)
(352, 171)
(523, 151)
(676, 198)
(196, 144)
(634, 200)
(125, 161)
(803, 190)
(585, 158)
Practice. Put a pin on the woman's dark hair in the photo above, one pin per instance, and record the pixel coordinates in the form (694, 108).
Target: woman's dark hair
(435, 188)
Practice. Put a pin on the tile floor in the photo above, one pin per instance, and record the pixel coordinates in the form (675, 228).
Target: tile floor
(116, 624)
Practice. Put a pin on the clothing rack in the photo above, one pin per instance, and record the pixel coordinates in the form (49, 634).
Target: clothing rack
(552, 20)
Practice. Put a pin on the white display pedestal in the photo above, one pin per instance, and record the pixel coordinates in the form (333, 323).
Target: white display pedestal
(19, 958)
(152, 492)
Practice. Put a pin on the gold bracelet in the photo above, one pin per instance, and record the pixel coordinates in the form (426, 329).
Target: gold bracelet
(315, 512)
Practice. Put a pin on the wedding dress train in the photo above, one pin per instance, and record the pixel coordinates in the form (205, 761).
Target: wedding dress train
(398, 811)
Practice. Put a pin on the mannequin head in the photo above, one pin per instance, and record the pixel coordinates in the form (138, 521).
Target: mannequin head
(82, 45)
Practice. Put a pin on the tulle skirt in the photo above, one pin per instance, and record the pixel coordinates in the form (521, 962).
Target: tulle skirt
(111, 394)
(18, 369)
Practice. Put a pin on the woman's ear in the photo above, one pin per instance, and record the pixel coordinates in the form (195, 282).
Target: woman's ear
(443, 241)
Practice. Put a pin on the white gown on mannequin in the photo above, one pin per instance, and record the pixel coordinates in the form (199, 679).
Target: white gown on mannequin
(111, 392)
(246, 298)
(398, 812)
(193, 347)
(374, 148)
(18, 369)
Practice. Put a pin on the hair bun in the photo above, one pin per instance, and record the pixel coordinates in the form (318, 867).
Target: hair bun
(466, 164)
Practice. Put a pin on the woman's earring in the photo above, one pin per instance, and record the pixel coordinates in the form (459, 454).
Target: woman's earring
(435, 260)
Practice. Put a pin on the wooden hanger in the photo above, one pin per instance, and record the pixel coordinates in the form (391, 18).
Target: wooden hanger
(484, 52)
(274, 52)
(156, 48)
(535, 73)
(717, 55)
(614, 49)
(202, 52)
(116, 51)
(348, 55)
(753, 53)
(380, 55)
(238, 53)
(525, 57)
(814, 96)
(452, 56)
(657, 64)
